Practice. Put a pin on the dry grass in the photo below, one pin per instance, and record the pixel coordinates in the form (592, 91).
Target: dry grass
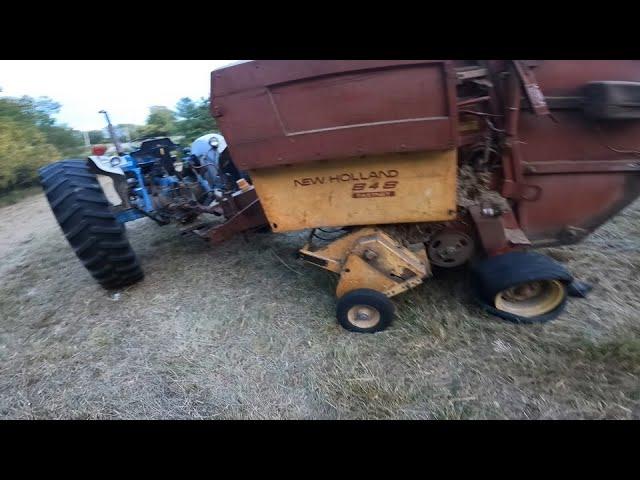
(245, 331)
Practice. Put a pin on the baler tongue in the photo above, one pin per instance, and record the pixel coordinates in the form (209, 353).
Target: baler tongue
(242, 211)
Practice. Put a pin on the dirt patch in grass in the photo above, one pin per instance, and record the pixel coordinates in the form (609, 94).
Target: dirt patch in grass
(244, 330)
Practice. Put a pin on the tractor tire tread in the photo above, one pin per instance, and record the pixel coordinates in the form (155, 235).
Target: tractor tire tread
(84, 215)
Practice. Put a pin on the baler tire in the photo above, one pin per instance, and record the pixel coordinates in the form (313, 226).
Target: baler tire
(375, 302)
(84, 215)
(498, 274)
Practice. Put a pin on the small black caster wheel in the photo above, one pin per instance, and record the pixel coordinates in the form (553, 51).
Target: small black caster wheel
(365, 311)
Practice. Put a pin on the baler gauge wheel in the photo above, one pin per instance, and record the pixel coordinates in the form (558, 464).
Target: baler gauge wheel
(531, 299)
(365, 311)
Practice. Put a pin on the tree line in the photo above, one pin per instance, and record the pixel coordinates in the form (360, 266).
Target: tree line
(30, 136)
(189, 120)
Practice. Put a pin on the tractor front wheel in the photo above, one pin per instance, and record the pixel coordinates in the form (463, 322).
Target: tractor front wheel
(84, 214)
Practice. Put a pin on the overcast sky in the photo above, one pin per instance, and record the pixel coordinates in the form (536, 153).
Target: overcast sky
(125, 88)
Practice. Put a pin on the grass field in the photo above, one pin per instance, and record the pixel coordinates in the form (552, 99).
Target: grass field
(244, 330)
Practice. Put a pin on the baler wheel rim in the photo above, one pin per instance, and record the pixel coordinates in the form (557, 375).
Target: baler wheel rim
(531, 299)
(363, 316)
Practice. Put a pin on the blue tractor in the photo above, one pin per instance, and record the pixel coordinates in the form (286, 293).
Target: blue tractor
(152, 182)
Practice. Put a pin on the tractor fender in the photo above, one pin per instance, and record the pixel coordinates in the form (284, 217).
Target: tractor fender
(103, 164)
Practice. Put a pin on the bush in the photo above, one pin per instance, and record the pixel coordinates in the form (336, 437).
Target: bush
(22, 151)
(29, 139)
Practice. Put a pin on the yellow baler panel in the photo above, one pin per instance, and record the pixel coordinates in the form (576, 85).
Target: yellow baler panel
(395, 188)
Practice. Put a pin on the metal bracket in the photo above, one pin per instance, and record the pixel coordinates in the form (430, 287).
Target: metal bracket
(494, 234)
(520, 191)
(371, 258)
(531, 88)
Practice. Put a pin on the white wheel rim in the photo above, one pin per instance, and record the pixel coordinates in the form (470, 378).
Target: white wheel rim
(363, 316)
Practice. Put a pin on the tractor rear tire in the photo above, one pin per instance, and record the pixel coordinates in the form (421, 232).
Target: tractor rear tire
(84, 214)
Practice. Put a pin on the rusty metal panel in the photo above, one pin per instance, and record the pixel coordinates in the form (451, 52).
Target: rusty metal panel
(395, 188)
(585, 171)
(575, 202)
(289, 112)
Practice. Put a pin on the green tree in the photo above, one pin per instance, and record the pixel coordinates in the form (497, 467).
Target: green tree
(23, 149)
(29, 111)
(194, 119)
(160, 123)
(96, 137)
(30, 138)
(127, 131)
(39, 112)
(65, 139)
